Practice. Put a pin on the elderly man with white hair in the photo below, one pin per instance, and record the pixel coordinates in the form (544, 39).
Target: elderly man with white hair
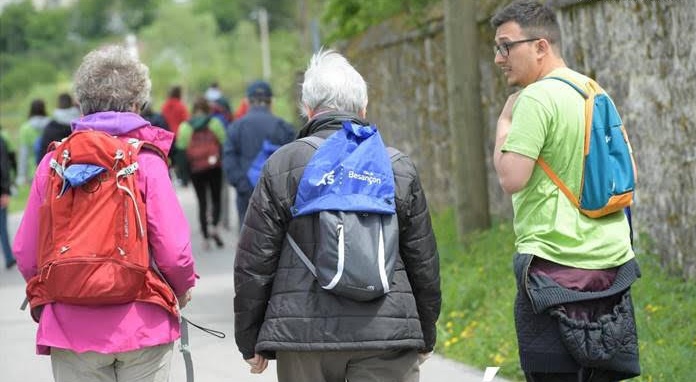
(281, 312)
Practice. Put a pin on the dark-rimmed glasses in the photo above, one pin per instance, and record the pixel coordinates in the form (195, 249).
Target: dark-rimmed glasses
(504, 48)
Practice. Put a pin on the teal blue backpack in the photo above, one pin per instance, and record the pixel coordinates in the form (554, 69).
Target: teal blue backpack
(608, 178)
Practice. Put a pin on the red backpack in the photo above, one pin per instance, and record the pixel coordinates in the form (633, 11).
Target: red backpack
(93, 244)
(203, 152)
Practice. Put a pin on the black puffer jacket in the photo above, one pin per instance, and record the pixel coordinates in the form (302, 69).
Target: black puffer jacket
(279, 306)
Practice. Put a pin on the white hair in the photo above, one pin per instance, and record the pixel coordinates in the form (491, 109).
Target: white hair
(331, 82)
(111, 79)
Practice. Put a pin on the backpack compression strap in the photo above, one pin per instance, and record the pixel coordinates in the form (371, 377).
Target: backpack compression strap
(315, 142)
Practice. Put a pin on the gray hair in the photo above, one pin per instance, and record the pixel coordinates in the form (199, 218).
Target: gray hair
(331, 82)
(111, 79)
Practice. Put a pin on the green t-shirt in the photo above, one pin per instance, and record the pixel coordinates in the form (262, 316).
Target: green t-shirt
(548, 122)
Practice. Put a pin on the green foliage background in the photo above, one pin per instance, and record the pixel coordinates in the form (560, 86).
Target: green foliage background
(191, 44)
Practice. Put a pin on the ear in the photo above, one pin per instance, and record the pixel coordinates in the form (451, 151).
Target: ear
(543, 47)
(309, 112)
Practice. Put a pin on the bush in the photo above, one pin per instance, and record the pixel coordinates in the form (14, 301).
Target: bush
(22, 76)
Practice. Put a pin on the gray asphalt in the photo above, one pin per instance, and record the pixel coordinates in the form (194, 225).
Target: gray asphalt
(214, 359)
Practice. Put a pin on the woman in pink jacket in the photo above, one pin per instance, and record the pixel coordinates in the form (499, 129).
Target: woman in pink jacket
(131, 341)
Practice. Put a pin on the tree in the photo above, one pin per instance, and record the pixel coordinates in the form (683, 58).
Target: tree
(48, 29)
(228, 14)
(351, 17)
(138, 13)
(13, 27)
(90, 18)
(465, 116)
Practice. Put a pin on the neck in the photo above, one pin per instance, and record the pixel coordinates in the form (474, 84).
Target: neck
(550, 66)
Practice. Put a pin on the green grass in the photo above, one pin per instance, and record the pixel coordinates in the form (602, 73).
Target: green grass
(478, 288)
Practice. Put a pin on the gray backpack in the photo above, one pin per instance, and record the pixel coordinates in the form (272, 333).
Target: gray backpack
(356, 252)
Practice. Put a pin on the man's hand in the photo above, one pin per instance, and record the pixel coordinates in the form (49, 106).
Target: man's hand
(184, 299)
(258, 364)
(422, 357)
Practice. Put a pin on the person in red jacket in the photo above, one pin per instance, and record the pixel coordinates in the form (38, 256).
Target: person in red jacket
(175, 112)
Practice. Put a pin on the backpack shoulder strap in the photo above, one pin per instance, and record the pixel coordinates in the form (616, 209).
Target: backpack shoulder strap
(313, 141)
(557, 181)
(394, 154)
(140, 145)
(572, 84)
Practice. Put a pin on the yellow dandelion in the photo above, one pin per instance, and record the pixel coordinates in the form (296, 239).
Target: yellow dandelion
(498, 359)
(449, 324)
(652, 308)
(448, 343)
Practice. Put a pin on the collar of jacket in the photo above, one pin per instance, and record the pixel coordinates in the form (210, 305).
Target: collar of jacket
(329, 120)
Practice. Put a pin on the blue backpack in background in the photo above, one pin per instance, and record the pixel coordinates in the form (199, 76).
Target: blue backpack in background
(349, 182)
(608, 180)
(254, 172)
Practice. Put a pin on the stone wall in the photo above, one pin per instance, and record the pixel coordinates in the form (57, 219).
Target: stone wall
(642, 51)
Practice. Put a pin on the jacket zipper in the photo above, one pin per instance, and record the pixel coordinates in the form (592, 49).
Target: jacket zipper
(50, 265)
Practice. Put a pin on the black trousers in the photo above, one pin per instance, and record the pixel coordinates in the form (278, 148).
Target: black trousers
(207, 184)
(242, 205)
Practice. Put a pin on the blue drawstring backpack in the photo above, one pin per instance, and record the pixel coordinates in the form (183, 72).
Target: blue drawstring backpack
(349, 183)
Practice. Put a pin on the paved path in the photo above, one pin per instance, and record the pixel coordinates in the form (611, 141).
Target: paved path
(214, 359)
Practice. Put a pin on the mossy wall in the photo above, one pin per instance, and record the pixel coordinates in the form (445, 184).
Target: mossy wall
(643, 52)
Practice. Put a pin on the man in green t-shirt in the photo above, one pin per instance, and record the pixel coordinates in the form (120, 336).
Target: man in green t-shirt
(559, 248)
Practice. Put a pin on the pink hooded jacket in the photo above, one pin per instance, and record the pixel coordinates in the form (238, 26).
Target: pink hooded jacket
(124, 327)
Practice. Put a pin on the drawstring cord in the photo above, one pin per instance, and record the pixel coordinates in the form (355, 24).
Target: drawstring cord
(127, 171)
(212, 332)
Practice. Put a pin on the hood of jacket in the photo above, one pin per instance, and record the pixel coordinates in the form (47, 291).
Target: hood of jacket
(329, 120)
(127, 125)
(38, 122)
(198, 122)
(66, 116)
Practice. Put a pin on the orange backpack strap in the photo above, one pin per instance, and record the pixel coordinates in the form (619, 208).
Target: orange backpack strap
(558, 182)
(587, 92)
